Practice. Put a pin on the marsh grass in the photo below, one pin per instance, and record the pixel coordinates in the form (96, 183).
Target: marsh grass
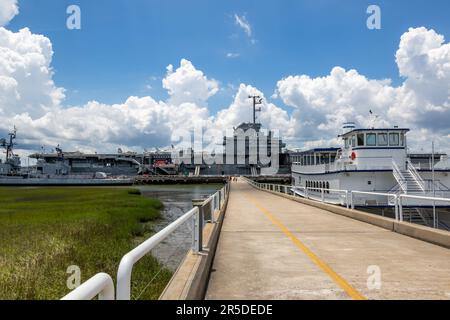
(45, 230)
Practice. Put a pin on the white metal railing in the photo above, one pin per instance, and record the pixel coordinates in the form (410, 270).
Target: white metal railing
(423, 198)
(393, 196)
(308, 192)
(399, 176)
(394, 200)
(416, 175)
(102, 284)
(129, 260)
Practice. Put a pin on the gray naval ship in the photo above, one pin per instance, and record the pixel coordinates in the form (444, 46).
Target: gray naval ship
(238, 157)
(56, 172)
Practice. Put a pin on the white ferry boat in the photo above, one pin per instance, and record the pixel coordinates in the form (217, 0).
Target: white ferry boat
(370, 160)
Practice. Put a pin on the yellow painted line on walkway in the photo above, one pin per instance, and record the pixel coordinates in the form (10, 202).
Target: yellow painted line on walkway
(352, 292)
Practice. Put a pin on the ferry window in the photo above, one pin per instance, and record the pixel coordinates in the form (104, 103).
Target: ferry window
(346, 143)
(360, 139)
(353, 141)
(371, 139)
(393, 139)
(382, 139)
(402, 139)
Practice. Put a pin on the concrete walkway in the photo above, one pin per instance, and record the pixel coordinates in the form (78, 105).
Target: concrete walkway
(274, 248)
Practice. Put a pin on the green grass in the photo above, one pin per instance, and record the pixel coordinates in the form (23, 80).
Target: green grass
(45, 230)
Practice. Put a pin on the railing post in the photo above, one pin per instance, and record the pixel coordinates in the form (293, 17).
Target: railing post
(322, 195)
(306, 193)
(197, 227)
(214, 207)
(396, 207)
(351, 200)
(346, 199)
(400, 208)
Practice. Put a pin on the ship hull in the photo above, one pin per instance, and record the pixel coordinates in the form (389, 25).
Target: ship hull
(63, 182)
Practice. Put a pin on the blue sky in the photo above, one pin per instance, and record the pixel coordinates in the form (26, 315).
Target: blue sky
(124, 46)
(315, 61)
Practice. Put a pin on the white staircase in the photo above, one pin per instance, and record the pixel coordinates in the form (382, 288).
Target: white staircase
(409, 180)
(417, 216)
(254, 172)
(412, 185)
(197, 171)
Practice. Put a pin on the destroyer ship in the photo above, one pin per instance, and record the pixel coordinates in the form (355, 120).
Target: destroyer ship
(49, 173)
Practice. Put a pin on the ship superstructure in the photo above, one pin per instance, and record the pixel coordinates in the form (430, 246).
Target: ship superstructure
(11, 165)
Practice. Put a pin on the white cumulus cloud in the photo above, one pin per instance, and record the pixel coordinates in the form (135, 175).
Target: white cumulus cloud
(422, 102)
(240, 110)
(8, 10)
(26, 84)
(188, 84)
(31, 100)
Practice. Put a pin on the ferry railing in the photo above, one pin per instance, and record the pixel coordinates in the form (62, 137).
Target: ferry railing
(100, 285)
(399, 176)
(416, 175)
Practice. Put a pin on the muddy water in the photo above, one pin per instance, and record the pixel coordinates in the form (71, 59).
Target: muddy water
(177, 200)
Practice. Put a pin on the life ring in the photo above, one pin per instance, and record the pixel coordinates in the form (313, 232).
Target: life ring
(353, 156)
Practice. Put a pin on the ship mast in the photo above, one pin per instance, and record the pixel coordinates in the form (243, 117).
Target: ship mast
(257, 100)
(9, 145)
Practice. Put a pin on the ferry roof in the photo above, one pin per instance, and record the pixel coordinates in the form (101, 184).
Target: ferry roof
(374, 129)
(316, 150)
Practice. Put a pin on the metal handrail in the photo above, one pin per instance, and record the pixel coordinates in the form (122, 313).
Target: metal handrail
(129, 260)
(100, 285)
(399, 176)
(437, 199)
(407, 196)
(322, 192)
(397, 198)
(132, 257)
(416, 175)
(349, 202)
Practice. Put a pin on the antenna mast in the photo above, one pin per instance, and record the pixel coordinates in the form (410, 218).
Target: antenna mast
(9, 145)
(257, 100)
